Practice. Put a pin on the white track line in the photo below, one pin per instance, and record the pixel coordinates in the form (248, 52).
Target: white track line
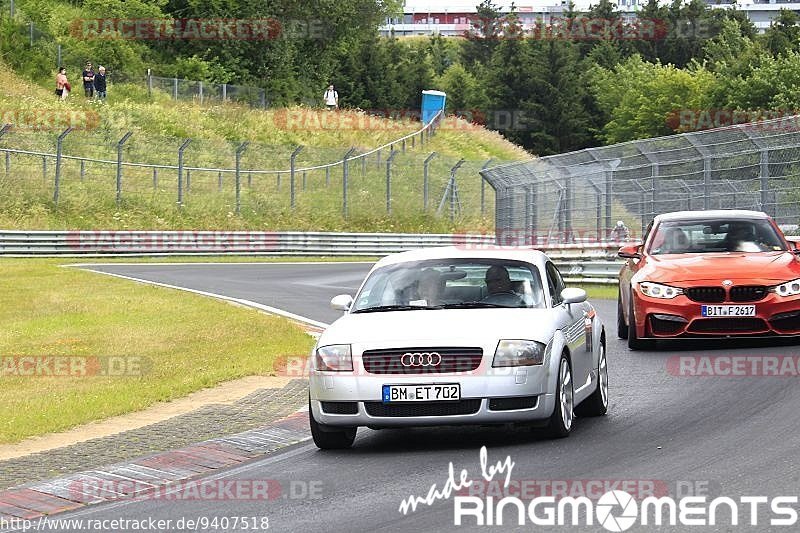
(240, 301)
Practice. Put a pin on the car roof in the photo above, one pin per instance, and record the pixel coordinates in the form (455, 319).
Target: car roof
(712, 213)
(477, 251)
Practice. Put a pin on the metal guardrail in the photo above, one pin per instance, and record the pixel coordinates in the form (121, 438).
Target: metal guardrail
(581, 262)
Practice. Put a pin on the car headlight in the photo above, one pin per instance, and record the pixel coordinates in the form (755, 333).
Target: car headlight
(518, 353)
(334, 358)
(657, 290)
(790, 288)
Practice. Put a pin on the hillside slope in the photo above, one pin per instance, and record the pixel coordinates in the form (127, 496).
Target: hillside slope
(159, 125)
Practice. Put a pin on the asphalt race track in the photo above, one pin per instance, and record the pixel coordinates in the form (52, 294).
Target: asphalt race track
(714, 435)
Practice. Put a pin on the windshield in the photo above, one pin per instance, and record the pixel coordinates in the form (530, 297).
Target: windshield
(718, 235)
(443, 284)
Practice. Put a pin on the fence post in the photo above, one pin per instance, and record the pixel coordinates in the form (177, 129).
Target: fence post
(59, 142)
(201, 92)
(483, 185)
(180, 170)
(155, 178)
(609, 194)
(149, 84)
(530, 216)
(239, 151)
(291, 175)
(327, 176)
(219, 181)
(344, 180)
(120, 144)
(83, 169)
(454, 191)
(364, 166)
(30, 25)
(389, 182)
(654, 197)
(764, 180)
(378, 157)
(44, 167)
(403, 145)
(188, 180)
(224, 92)
(175, 88)
(425, 165)
(706, 181)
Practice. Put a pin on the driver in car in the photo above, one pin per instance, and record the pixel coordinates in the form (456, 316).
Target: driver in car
(498, 282)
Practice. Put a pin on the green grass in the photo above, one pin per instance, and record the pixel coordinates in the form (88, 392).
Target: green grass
(596, 291)
(187, 342)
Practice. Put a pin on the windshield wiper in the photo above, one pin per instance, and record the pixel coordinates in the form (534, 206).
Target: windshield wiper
(380, 308)
(475, 305)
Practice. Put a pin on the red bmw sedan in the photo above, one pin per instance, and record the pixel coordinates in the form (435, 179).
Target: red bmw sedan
(718, 273)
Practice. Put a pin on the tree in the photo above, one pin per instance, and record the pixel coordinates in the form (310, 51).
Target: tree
(783, 35)
(484, 34)
(556, 116)
(649, 100)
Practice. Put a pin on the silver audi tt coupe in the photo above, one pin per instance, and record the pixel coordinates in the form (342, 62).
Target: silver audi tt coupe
(449, 336)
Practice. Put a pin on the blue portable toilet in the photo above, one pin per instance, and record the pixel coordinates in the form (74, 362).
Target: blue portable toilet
(432, 103)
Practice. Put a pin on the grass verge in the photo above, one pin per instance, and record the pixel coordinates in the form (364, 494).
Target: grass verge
(181, 342)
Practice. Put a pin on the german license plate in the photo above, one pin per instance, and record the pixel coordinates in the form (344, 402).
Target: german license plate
(421, 393)
(728, 310)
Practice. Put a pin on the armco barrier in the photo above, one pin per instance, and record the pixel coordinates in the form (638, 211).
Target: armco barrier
(587, 262)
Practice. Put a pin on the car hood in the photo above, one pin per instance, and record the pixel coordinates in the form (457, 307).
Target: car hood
(437, 326)
(758, 268)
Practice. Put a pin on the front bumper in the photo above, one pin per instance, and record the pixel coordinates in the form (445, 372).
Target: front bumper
(481, 398)
(682, 317)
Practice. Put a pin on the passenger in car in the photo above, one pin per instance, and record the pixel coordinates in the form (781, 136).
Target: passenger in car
(430, 287)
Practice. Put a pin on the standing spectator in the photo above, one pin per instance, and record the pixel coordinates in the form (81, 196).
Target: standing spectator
(620, 231)
(100, 83)
(331, 98)
(88, 80)
(62, 85)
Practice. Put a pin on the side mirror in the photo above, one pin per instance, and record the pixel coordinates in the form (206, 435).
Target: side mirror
(342, 302)
(631, 252)
(794, 246)
(573, 295)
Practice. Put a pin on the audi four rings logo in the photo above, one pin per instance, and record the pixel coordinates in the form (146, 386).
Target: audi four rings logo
(421, 359)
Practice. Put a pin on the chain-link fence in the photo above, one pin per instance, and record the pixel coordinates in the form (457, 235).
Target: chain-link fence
(581, 195)
(94, 170)
(205, 92)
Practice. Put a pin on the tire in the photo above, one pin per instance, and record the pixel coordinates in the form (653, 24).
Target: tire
(634, 342)
(561, 421)
(597, 403)
(622, 327)
(330, 437)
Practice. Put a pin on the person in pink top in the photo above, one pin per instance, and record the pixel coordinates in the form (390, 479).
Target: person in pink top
(62, 85)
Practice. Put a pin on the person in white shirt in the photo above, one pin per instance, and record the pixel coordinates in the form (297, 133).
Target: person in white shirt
(331, 98)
